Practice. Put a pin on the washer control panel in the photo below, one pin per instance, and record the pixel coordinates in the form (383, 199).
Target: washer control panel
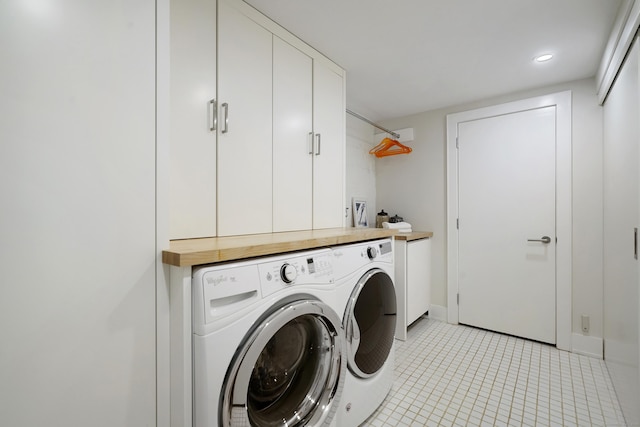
(351, 257)
(308, 268)
(378, 249)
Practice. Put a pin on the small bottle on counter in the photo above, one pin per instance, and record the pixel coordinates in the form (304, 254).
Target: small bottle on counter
(381, 217)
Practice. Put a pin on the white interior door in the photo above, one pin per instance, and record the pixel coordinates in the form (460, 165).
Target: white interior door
(506, 197)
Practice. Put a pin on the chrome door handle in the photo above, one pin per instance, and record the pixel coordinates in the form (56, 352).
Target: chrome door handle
(545, 239)
(225, 106)
(213, 115)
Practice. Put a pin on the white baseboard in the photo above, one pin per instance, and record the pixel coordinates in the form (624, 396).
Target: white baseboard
(438, 312)
(586, 345)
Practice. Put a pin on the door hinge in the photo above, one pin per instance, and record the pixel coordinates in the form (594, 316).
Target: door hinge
(458, 298)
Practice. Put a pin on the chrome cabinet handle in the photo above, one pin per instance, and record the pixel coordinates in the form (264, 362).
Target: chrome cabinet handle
(635, 243)
(226, 117)
(310, 142)
(213, 115)
(545, 239)
(318, 145)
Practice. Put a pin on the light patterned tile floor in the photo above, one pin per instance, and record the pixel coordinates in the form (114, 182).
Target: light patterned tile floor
(454, 375)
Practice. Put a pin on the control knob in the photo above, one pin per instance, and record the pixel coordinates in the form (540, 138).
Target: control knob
(372, 252)
(288, 273)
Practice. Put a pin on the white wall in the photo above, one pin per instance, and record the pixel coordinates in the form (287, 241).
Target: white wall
(361, 168)
(414, 186)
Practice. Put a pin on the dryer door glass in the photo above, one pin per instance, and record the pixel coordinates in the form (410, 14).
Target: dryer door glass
(370, 323)
(290, 371)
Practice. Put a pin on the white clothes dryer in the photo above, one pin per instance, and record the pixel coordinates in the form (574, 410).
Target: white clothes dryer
(268, 347)
(365, 288)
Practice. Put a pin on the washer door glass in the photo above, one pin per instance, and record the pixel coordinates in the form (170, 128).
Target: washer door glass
(370, 323)
(289, 371)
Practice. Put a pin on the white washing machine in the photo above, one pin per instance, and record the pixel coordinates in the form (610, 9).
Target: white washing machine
(268, 346)
(365, 288)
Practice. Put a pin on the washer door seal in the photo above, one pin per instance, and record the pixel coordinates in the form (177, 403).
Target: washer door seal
(289, 370)
(370, 323)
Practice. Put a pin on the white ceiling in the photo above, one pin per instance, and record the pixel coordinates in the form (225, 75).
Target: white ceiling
(409, 56)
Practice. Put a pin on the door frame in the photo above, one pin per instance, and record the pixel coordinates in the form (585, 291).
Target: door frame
(562, 102)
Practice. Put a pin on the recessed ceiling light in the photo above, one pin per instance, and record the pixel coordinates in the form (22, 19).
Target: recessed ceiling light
(543, 58)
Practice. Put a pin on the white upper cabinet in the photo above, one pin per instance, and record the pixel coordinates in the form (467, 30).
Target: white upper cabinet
(329, 150)
(308, 141)
(276, 159)
(193, 137)
(244, 124)
(292, 138)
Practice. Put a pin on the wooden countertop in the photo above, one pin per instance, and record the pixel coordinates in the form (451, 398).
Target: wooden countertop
(414, 235)
(189, 252)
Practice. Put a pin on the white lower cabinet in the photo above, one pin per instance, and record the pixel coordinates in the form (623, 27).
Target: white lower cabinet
(412, 279)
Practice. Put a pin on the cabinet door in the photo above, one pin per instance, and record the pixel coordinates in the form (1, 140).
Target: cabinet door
(418, 276)
(329, 147)
(78, 223)
(292, 138)
(244, 124)
(621, 217)
(193, 141)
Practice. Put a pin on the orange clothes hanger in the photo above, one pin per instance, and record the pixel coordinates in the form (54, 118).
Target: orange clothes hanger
(389, 147)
